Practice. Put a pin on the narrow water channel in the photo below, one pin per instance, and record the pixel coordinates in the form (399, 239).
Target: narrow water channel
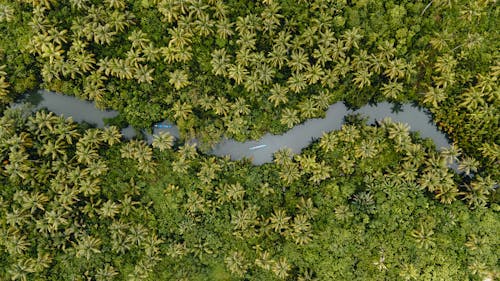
(260, 151)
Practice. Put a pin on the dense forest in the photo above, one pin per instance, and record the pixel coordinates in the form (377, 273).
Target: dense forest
(366, 202)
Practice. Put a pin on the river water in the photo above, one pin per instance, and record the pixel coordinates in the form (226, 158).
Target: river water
(296, 139)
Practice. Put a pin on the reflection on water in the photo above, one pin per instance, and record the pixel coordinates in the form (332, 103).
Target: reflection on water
(296, 139)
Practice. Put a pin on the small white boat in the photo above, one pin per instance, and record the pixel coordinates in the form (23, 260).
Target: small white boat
(257, 147)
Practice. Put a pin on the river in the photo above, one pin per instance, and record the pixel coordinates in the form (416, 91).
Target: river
(296, 138)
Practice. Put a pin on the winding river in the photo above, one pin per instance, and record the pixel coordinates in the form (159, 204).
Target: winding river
(296, 139)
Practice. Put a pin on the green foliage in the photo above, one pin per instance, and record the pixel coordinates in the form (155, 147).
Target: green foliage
(79, 203)
(361, 203)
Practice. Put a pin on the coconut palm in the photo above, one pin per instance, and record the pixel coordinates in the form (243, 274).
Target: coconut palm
(115, 4)
(434, 96)
(143, 75)
(289, 117)
(83, 61)
(278, 56)
(468, 165)
(451, 153)
(392, 90)
(297, 82)
(220, 61)
(253, 83)
(221, 106)
(362, 78)
(163, 141)
(240, 107)
(472, 98)
(300, 230)
(279, 221)
(278, 95)
(289, 172)
(85, 154)
(323, 55)
(52, 52)
(180, 37)
(238, 73)
(224, 28)
(179, 79)
(87, 246)
(314, 74)
(54, 149)
(352, 37)
(281, 268)
(298, 61)
(395, 68)
(106, 273)
(308, 108)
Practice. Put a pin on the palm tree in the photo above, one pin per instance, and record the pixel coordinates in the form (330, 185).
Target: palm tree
(237, 264)
(6, 13)
(87, 246)
(111, 135)
(297, 82)
(472, 98)
(85, 154)
(107, 273)
(179, 79)
(138, 39)
(314, 74)
(300, 230)
(289, 117)
(96, 168)
(323, 55)
(163, 141)
(289, 172)
(328, 141)
(52, 52)
(54, 148)
(478, 191)
(238, 73)
(299, 60)
(308, 108)
(221, 106)
(281, 268)
(220, 61)
(395, 68)
(115, 4)
(468, 165)
(278, 56)
(451, 153)
(352, 37)
(240, 107)
(362, 78)
(278, 95)
(119, 20)
(279, 221)
(253, 83)
(399, 132)
(434, 96)
(224, 28)
(83, 61)
(180, 37)
(88, 186)
(22, 269)
(282, 156)
(101, 34)
(265, 72)
(143, 75)
(4, 85)
(392, 90)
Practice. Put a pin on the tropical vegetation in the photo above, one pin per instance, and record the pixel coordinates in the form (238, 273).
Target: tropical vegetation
(366, 202)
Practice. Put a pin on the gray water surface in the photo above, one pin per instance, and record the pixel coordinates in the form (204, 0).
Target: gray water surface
(296, 139)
